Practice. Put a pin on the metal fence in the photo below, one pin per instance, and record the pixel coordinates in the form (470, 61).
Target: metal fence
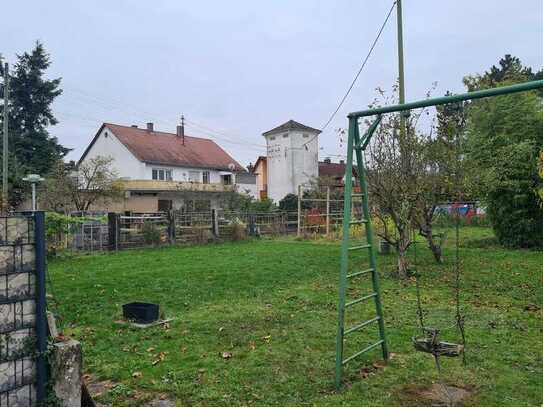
(23, 326)
(132, 230)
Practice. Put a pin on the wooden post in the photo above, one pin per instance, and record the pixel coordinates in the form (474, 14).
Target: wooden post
(113, 230)
(327, 211)
(298, 232)
(171, 226)
(215, 223)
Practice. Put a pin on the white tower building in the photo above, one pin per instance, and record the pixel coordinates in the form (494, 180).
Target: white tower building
(292, 158)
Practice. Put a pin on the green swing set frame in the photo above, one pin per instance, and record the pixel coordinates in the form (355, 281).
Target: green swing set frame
(356, 146)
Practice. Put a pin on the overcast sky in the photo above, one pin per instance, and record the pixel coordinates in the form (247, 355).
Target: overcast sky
(244, 67)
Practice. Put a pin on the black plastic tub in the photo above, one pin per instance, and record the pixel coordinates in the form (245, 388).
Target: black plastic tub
(141, 312)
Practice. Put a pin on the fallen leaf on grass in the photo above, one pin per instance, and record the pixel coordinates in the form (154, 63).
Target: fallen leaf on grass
(135, 375)
(226, 355)
(161, 357)
(267, 338)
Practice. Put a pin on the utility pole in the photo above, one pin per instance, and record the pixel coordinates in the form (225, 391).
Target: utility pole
(401, 79)
(5, 140)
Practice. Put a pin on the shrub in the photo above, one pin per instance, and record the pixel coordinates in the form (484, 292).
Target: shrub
(202, 234)
(238, 231)
(151, 234)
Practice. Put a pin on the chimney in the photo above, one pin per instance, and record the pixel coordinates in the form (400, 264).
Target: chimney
(149, 126)
(327, 160)
(134, 126)
(181, 129)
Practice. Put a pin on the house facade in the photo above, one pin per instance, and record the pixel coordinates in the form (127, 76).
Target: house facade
(291, 158)
(260, 170)
(162, 171)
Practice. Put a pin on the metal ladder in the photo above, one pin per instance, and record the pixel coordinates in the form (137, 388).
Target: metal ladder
(357, 145)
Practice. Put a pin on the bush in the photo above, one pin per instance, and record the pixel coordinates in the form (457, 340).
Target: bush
(289, 203)
(517, 220)
(238, 231)
(151, 234)
(202, 234)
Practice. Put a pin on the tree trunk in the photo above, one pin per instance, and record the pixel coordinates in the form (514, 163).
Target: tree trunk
(434, 247)
(403, 264)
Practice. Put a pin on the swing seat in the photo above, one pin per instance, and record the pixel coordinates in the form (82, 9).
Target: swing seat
(440, 348)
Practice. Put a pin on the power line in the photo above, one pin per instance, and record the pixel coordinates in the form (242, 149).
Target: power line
(364, 62)
(130, 110)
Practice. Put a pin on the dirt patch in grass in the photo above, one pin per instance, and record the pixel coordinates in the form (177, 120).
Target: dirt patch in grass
(435, 395)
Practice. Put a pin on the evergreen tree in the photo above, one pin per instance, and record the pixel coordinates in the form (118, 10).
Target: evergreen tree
(32, 148)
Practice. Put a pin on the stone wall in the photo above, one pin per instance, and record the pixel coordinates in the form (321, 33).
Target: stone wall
(17, 312)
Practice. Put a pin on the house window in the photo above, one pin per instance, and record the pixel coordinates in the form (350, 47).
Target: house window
(305, 135)
(205, 177)
(285, 135)
(227, 179)
(160, 174)
(194, 176)
(272, 137)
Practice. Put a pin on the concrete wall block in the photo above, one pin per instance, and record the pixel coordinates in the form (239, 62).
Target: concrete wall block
(66, 372)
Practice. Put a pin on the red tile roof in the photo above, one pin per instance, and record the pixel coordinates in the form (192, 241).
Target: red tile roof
(156, 147)
(336, 170)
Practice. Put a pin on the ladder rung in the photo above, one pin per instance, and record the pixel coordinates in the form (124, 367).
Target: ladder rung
(360, 326)
(362, 351)
(357, 195)
(359, 273)
(365, 246)
(366, 297)
(358, 222)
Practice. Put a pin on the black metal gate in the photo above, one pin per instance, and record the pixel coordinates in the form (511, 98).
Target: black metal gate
(23, 322)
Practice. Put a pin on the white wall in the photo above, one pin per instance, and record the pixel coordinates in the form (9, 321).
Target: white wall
(182, 173)
(290, 163)
(125, 164)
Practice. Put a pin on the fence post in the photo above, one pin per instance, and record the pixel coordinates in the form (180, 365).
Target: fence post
(41, 317)
(298, 230)
(214, 223)
(327, 211)
(113, 230)
(171, 226)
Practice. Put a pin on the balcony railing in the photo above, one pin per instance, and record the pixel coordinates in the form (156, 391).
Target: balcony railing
(154, 185)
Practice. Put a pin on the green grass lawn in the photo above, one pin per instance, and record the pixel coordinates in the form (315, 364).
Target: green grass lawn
(272, 306)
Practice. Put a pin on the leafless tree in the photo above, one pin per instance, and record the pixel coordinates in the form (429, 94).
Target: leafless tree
(92, 181)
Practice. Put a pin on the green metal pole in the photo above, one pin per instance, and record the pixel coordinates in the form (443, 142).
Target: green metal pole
(347, 198)
(479, 94)
(369, 236)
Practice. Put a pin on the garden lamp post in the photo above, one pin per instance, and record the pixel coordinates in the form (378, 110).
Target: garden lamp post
(33, 179)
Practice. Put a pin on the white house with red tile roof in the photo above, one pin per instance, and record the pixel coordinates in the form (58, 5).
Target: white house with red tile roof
(163, 170)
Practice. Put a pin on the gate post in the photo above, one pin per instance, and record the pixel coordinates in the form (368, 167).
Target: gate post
(171, 226)
(113, 230)
(215, 223)
(41, 317)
